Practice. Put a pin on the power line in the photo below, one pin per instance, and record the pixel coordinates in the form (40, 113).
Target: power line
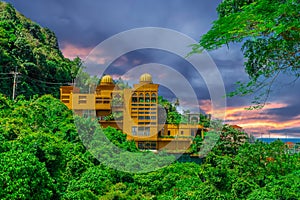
(5, 78)
(46, 82)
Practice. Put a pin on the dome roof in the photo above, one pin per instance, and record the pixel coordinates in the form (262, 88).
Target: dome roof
(146, 78)
(107, 79)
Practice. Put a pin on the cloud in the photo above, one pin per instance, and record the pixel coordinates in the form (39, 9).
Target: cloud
(72, 51)
(259, 121)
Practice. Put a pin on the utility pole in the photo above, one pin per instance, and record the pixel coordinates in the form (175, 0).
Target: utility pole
(15, 73)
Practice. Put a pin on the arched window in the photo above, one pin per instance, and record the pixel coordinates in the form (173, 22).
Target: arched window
(153, 98)
(141, 97)
(134, 97)
(147, 99)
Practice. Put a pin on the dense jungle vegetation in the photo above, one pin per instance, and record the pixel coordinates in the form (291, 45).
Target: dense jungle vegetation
(42, 155)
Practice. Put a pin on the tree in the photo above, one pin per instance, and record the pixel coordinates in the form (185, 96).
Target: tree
(95, 181)
(23, 176)
(204, 120)
(270, 33)
(35, 51)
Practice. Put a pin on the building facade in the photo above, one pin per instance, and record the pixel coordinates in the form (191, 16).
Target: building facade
(135, 111)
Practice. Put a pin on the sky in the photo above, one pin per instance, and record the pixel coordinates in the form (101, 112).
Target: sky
(82, 25)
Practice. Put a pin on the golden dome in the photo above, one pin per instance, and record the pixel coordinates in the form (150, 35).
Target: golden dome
(106, 80)
(146, 78)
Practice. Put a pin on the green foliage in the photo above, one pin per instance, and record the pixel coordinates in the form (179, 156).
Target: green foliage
(122, 84)
(270, 34)
(118, 138)
(23, 176)
(44, 129)
(34, 50)
(170, 115)
(96, 180)
(165, 179)
(230, 141)
(43, 157)
(173, 117)
(196, 145)
(257, 169)
(204, 120)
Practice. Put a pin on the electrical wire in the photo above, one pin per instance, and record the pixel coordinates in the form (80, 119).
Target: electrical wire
(5, 78)
(46, 82)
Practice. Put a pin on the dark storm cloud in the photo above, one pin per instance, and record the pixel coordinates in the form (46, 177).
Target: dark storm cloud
(291, 132)
(89, 22)
(285, 113)
(145, 56)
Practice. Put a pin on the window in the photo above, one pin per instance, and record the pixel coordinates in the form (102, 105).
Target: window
(134, 130)
(153, 98)
(106, 100)
(140, 131)
(98, 100)
(147, 145)
(143, 131)
(159, 133)
(82, 100)
(134, 98)
(193, 132)
(147, 131)
(147, 99)
(141, 98)
(169, 133)
(182, 132)
(65, 97)
(141, 145)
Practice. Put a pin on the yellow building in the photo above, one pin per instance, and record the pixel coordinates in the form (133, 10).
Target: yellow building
(134, 111)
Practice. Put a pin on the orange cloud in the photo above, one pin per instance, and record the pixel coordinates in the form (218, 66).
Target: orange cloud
(256, 121)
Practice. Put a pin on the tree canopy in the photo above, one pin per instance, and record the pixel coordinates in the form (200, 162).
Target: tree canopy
(35, 52)
(269, 31)
(42, 157)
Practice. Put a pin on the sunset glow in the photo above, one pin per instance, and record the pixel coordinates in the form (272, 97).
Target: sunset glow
(257, 121)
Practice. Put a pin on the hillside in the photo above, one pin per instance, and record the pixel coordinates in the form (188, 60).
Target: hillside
(35, 51)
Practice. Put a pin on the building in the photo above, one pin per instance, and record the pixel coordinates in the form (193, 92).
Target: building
(134, 111)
